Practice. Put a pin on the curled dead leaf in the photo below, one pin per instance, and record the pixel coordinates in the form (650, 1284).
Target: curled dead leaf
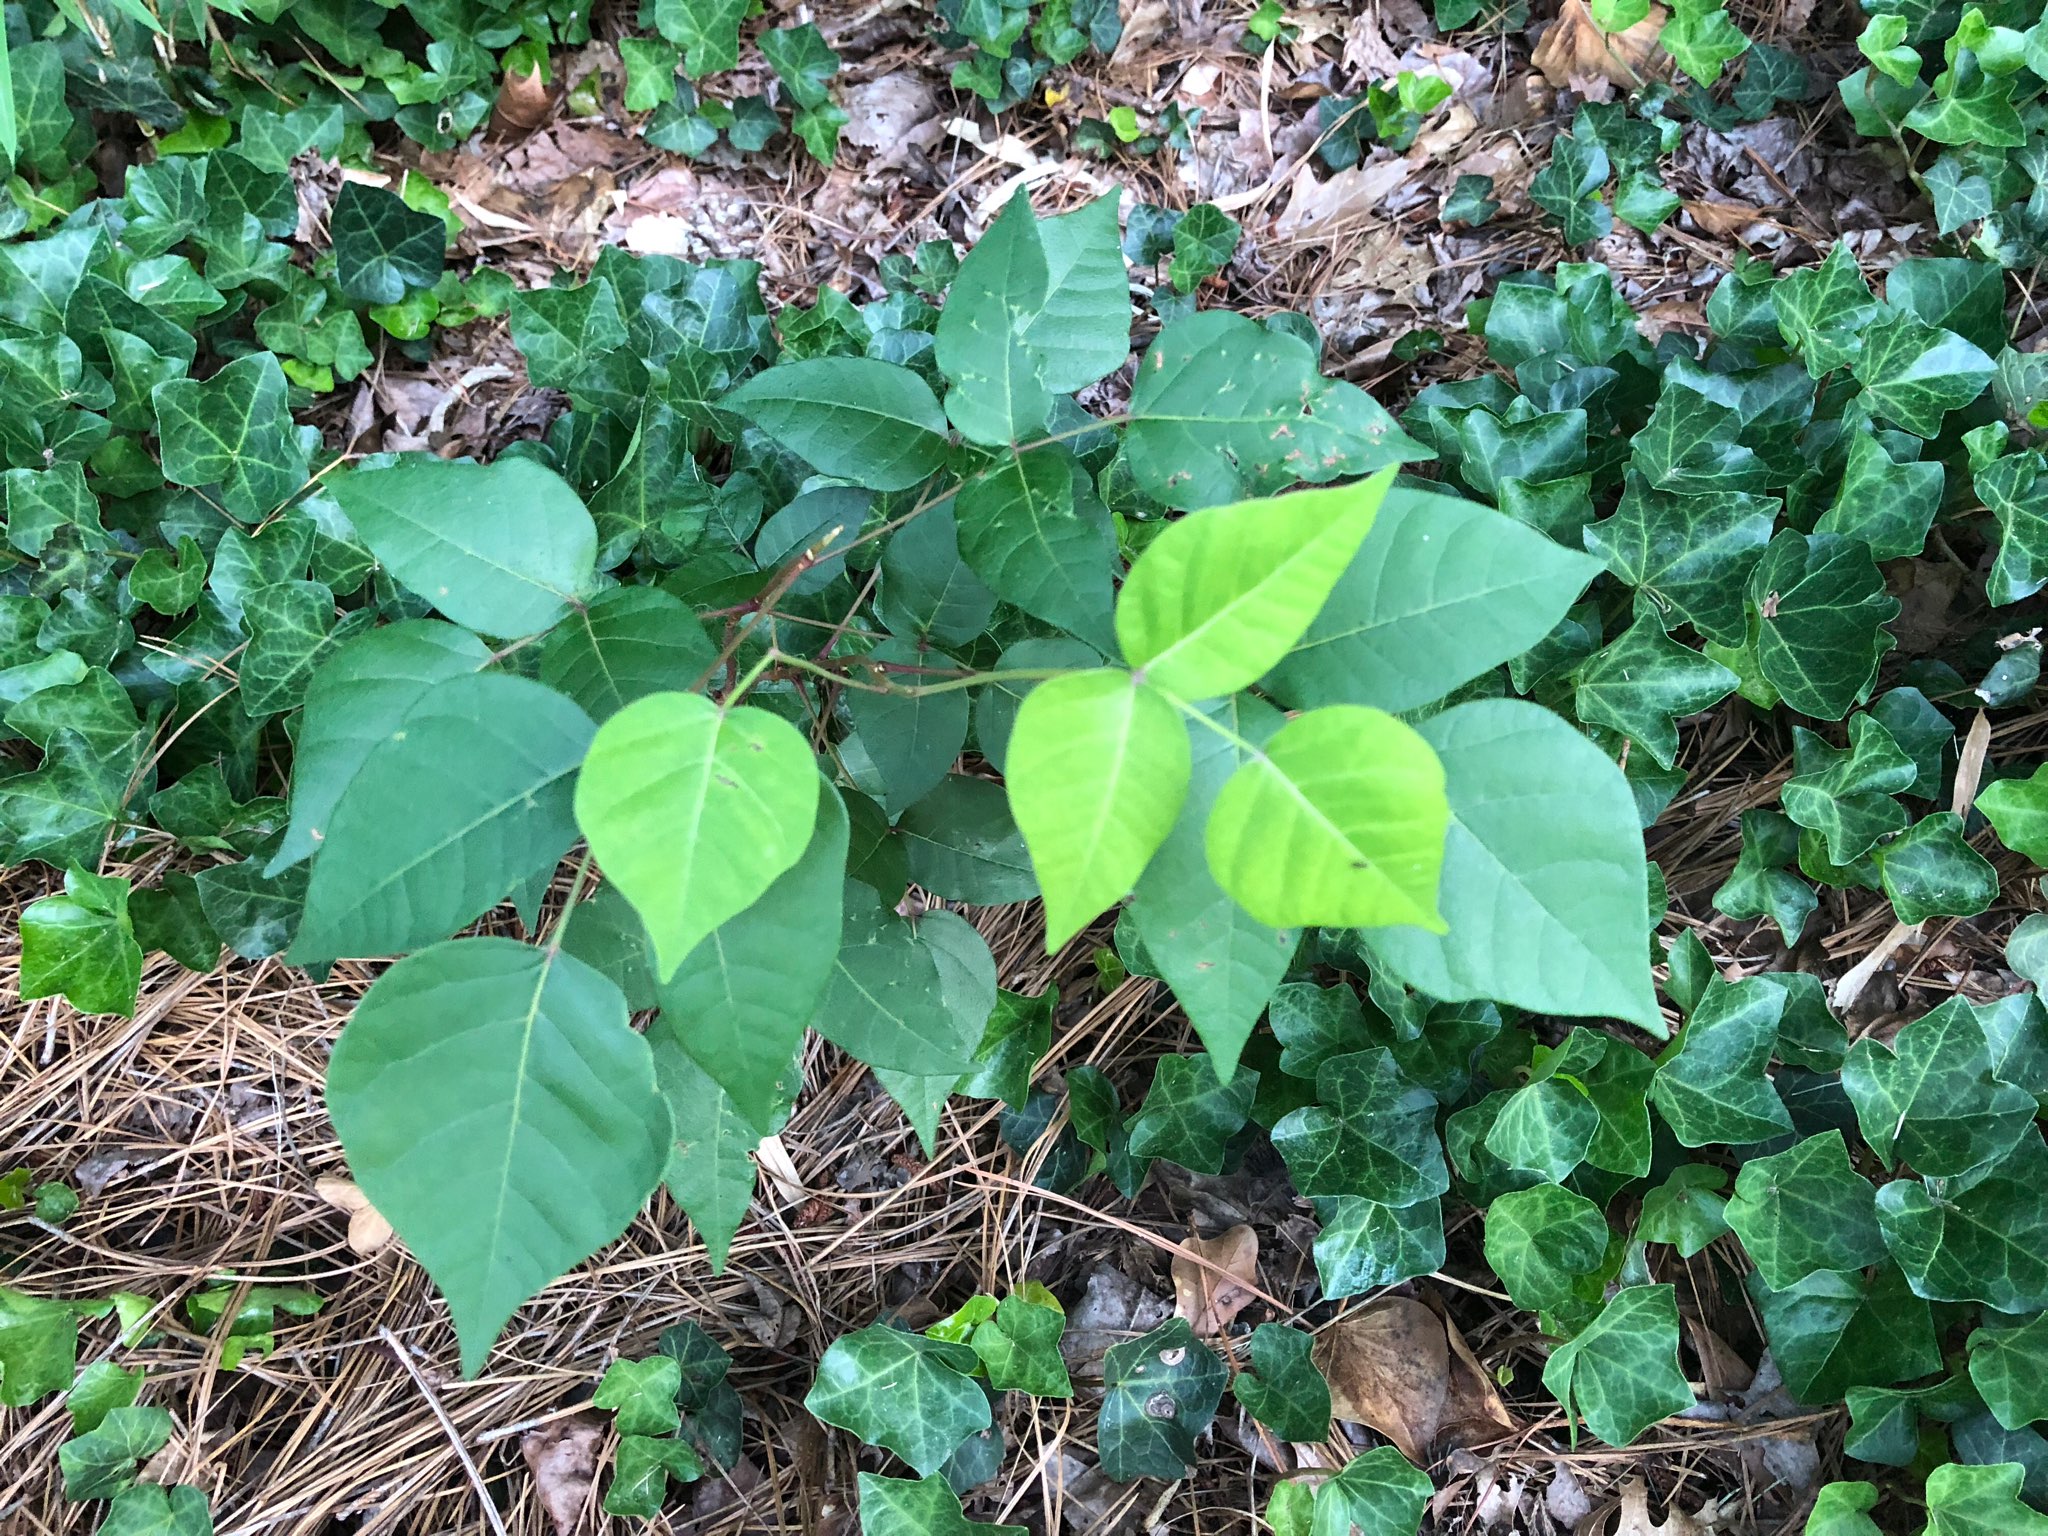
(1635, 1515)
(369, 1234)
(1576, 55)
(1388, 1366)
(524, 102)
(1721, 219)
(1473, 1411)
(1206, 1299)
(562, 1456)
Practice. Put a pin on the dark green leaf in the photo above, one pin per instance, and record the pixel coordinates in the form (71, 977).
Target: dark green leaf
(1822, 604)
(233, 431)
(1621, 1374)
(907, 1393)
(82, 946)
(1932, 872)
(1711, 1086)
(1689, 553)
(1981, 1237)
(1283, 1390)
(383, 250)
(1159, 1393)
(1188, 1117)
(1372, 1135)
(902, 1506)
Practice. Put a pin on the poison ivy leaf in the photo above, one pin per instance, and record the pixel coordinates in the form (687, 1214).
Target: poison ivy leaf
(81, 946)
(710, 1171)
(1159, 1392)
(1980, 1238)
(2018, 811)
(1189, 1115)
(1378, 1492)
(465, 799)
(1219, 596)
(1194, 443)
(233, 430)
(963, 845)
(147, 1510)
(102, 1462)
(1805, 1210)
(929, 593)
(640, 1474)
(503, 548)
(1932, 872)
(1373, 1134)
(1020, 1346)
(903, 1506)
(1890, 506)
(1839, 1508)
(886, 1003)
(1544, 884)
(872, 423)
(1761, 885)
(998, 395)
(1097, 770)
(356, 699)
(38, 1347)
(1835, 1331)
(1540, 1241)
(1980, 1501)
(1643, 682)
(2009, 1367)
(1845, 793)
(1621, 1374)
(1685, 1210)
(1914, 374)
(1031, 526)
(641, 1395)
(1364, 1246)
(913, 739)
(1018, 1035)
(607, 935)
(1930, 1098)
(693, 810)
(1283, 1390)
(1711, 1086)
(499, 1111)
(626, 644)
(905, 1392)
(1822, 605)
(383, 250)
(1440, 591)
(1221, 962)
(1081, 331)
(1357, 797)
(1689, 553)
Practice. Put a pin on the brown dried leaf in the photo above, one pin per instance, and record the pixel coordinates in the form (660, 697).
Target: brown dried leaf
(1575, 54)
(1635, 1515)
(562, 1457)
(1209, 1302)
(369, 1234)
(1388, 1365)
(1473, 1411)
(1721, 219)
(524, 102)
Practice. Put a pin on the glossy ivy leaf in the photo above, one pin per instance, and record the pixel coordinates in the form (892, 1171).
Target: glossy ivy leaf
(1193, 443)
(641, 1471)
(1930, 1099)
(1914, 374)
(466, 798)
(1364, 1246)
(1540, 1241)
(1980, 1501)
(1219, 596)
(101, 1387)
(102, 1462)
(1314, 1023)
(1283, 1390)
(873, 423)
(1821, 602)
(1711, 1085)
(693, 810)
(38, 1347)
(1097, 770)
(1020, 1347)
(641, 1395)
(2014, 488)
(1358, 798)
(624, 645)
(1159, 1393)
(1373, 1134)
(1982, 1238)
(925, 1506)
(1701, 39)
(1643, 682)
(1568, 188)
(147, 1510)
(1761, 884)
(710, 1171)
(2017, 809)
(355, 700)
(2009, 1368)
(1220, 961)
(1544, 884)
(1204, 240)
(1839, 1509)
(1805, 1210)
(232, 431)
(1888, 505)
(1932, 872)
(1688, 553)
(1835, 1331)
(1845, 794)
(1189, 1114)
(1954, 294)
(708, 31)
(1620, 1375)
(1378, 1491)
(1441, 590)
(81, 946)
(383, 250)
(1824, 311)
(909, 1394)
(499, 1111)
(1686, 1210)
(1545, 1127)
(503, 549)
